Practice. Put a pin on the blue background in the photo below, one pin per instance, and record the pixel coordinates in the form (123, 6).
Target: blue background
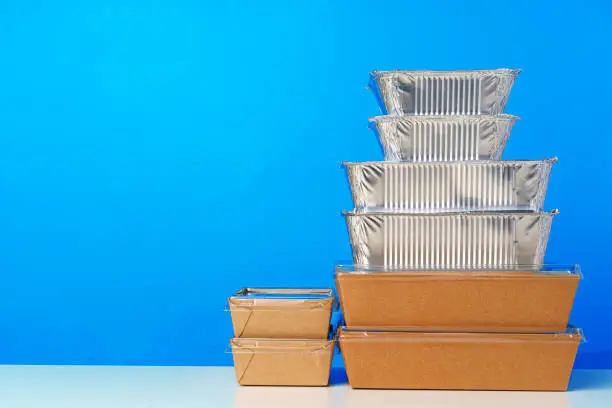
(157, 155)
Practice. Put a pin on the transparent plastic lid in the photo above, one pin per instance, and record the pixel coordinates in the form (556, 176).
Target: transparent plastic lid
(452, 163)
(552, 269)
(282, 299)
(282, 293)
(483, 214)
(458, 72)
(243, 345)
(443, 118)
(420, 333)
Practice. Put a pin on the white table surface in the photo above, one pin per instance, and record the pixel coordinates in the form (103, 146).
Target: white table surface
(186, 387)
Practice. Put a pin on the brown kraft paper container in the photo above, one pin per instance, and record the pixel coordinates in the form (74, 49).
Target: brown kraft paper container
(459, 361)
(282, 362)
(459, 300)
(282, 313)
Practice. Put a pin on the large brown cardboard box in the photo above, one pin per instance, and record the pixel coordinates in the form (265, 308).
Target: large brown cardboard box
(282, 313)
(459, 361)
(282, 362)
(457, 300)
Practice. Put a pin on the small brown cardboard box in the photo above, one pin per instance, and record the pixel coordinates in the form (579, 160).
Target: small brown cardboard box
(458, 361)
(282, 313)
(282, 362)
(459, 300)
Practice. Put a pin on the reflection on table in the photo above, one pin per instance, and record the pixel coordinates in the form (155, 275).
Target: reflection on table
(342, 396)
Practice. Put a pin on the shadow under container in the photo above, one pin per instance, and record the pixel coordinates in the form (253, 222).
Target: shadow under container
(282, 313)
(282, 362)
(518, 299)
(380, 359)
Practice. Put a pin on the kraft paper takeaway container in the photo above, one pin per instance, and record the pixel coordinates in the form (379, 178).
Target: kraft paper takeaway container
(282, 313)
(518, 299)
(282, 362)
(459, 361)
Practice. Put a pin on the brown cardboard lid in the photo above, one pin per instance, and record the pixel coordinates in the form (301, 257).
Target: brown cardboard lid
(572, 334)
(273, 298)
(505, 271)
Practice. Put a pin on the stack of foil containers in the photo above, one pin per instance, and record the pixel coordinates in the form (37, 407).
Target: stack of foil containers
(443, 202)
(443, 198)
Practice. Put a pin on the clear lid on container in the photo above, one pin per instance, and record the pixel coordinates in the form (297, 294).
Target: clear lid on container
(249, 346)
(283, 293)
(282, 298)
(443, 118)
(572, 333)
(518, 271)
(451, 163)
(483, 214)
(450, 73)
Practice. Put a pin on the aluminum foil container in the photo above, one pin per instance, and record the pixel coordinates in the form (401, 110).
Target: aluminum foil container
(479, 92)
(442, 138)
(449, 187)
(449, 240)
